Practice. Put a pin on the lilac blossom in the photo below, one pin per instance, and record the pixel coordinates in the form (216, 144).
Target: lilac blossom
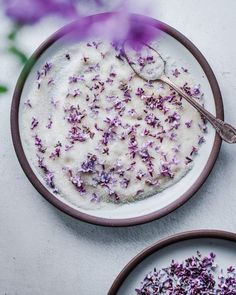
(73, 93)
(117, 26)
(166, 170)
(133, 146)
(195, 91)
(95, 198)
(120, 107)
(73, 79)
(68, 147)
(174, 119)
(131, 166)
(132, 112)
(172, 136)
(195, 275)
(189, 123)
(143, 61)
(152, 182)
(51, 81)
(122, 25)
(74, 115)
(124, 182)
(46, 68)
(75, 179)
(188, 160)
(194, 151)
(151, 120)
(147, 159)
(184, 70)
(48, 175)
(201, 139)
(39, 145)
(89, 165)
(112, 123)
(76, 134)
(140, 92)
(106, 137)
(153, 102)
(31, 11)
(140, 174)
(49, 124)
(109, 81)
(174, 160)
(54, 102)
(34, 123)
(175, 73)
(176, 148)
(28, 103)
(104, 178)
(57, 151)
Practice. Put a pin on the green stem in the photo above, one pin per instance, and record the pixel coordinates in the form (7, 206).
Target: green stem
(18, 53)
(3, 89)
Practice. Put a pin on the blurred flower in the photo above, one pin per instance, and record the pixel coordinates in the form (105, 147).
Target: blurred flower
(140, 32)
(115, 27)
(31, 11)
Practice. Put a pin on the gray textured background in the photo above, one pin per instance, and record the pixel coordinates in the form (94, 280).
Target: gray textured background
(43, 251)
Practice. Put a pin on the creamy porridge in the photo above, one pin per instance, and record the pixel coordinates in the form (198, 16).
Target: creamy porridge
(97, 133)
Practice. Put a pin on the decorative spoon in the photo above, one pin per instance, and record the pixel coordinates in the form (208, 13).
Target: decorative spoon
(158, 73)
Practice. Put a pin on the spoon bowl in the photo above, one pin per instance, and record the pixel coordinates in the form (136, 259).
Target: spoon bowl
(145, 61)
(148, 64)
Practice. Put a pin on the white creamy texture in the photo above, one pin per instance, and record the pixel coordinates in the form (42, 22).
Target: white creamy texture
(106, 112)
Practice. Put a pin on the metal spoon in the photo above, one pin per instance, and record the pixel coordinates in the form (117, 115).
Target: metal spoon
(157, 73)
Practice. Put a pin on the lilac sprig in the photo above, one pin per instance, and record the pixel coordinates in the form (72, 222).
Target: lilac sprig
(76, 180)
(48, 175)
(39, 145)
(56, 152)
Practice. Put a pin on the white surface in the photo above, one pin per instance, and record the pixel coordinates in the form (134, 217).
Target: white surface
(43, 251)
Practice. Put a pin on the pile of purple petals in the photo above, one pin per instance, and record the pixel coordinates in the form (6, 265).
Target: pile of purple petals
(195, 276)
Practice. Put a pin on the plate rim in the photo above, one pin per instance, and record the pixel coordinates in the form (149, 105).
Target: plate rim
(165, 242)
(76, 213)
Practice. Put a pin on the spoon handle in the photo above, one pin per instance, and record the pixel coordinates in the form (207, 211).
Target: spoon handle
(226, 131)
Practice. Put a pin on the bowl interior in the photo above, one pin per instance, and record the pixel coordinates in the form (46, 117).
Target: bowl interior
(176, 54)
(224, 250)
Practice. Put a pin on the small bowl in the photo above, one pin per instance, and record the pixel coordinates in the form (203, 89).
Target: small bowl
(183, 52)
(177, 247)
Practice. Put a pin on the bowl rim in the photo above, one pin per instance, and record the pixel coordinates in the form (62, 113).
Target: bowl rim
(179, 237)
(15, 132)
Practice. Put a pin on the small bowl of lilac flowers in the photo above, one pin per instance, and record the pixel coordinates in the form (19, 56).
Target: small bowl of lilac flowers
(196, 263)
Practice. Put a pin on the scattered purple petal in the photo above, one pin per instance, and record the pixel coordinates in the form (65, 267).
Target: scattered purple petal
(34, 123)
(28, 103)
(175, 73)
(189, 123)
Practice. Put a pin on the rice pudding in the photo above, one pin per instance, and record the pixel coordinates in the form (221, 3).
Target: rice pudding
(97, 133)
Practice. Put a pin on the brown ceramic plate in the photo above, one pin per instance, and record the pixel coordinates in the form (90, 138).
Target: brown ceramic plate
(184, 53)
(177, 247)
